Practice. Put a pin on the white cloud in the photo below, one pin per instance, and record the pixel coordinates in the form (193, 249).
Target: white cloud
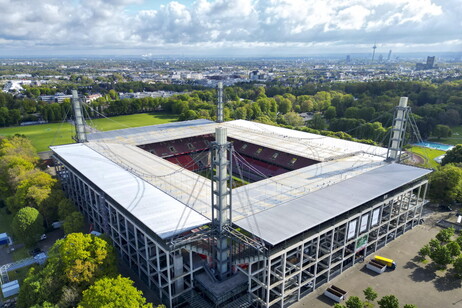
(230, 23)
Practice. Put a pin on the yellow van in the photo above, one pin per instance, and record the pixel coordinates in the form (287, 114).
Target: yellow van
(385, 261)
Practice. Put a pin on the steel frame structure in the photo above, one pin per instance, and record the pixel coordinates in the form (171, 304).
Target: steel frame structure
(276, 278)
(295, 270)
(169, 272)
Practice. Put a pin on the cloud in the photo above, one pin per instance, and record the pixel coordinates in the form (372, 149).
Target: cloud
(106, 24)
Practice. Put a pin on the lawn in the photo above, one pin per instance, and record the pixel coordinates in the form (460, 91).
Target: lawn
(428, 155)
(44, 135)
(456, 137)
(133, 120)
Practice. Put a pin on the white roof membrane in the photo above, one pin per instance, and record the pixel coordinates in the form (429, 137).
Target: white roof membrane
(157, 210)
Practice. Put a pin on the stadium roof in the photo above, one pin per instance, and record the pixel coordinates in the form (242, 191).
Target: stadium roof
(157, 210)
(134, 177)
(282, 222)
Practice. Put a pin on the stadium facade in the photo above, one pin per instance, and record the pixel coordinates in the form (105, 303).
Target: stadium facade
(300, 208)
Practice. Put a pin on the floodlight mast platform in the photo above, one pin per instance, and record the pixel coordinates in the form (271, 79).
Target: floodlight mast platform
(221, 151)
(400, 120)
(78, 118)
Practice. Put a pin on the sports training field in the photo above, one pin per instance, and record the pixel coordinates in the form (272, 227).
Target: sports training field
(44, 135)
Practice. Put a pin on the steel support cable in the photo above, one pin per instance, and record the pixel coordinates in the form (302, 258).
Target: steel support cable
(104, 116)
(251, 208)
(59, 128)
(183, 212)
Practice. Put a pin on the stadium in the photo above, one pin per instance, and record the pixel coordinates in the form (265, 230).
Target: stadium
(241, 214)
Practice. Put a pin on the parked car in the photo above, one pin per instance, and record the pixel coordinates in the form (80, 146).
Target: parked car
(445, 208)
(35, 251)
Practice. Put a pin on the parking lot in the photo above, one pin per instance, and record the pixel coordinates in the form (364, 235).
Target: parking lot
(412, 282)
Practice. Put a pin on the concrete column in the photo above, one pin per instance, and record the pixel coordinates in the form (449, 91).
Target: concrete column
(78, 115)
(220, 103)
(178, 271)
(399, 129)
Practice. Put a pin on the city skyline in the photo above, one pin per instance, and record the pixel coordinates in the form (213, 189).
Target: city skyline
(227, 28)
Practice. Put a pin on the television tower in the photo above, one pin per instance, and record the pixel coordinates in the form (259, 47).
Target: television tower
(373, 51)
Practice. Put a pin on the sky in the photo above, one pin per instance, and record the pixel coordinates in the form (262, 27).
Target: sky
(228, 28)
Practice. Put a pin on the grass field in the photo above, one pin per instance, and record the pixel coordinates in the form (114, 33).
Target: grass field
(456, 137)
(133, 120)
(44, 135)
(428, 155)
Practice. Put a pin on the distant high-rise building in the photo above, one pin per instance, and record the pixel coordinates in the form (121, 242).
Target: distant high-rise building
(430, 62)
(348, 59)
(389, 55)
(426, 66)
(380, 58)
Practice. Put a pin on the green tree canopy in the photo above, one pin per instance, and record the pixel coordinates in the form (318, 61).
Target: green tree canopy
(73, 223)
(33, 188)
(85, 257)
(27, 225)
(113, 292)
(441, 255)
(442, 131)
(370, 294)
(388, 301)
(74, 263)
(445, 235)
(317, 122)
(458, 266)
(293, 119)
(446, 184)
(453, 156)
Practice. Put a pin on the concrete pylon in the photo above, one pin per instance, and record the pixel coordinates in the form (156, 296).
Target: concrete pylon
(78, 118)
(400, 120)
(221, 200)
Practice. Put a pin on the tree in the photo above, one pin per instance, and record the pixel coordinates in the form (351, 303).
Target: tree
(388, 301)
(113, 292)
(317, 122)
(458, 266)
(454, 248)
(240, 113)
(285, 106)
(73, 223)
(409, 306)
(424, 251)
(330, 113)
(445, 235)
(74, 263)
(370, 294)
(33, 188)
(293, 119)
(454, 155)
(354, 302)
(85, 257)
(27, 225)
(188, 115)
(442, 131)
(446, 184)
(441, 256)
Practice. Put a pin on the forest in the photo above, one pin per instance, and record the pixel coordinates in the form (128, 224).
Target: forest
(363, 110)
